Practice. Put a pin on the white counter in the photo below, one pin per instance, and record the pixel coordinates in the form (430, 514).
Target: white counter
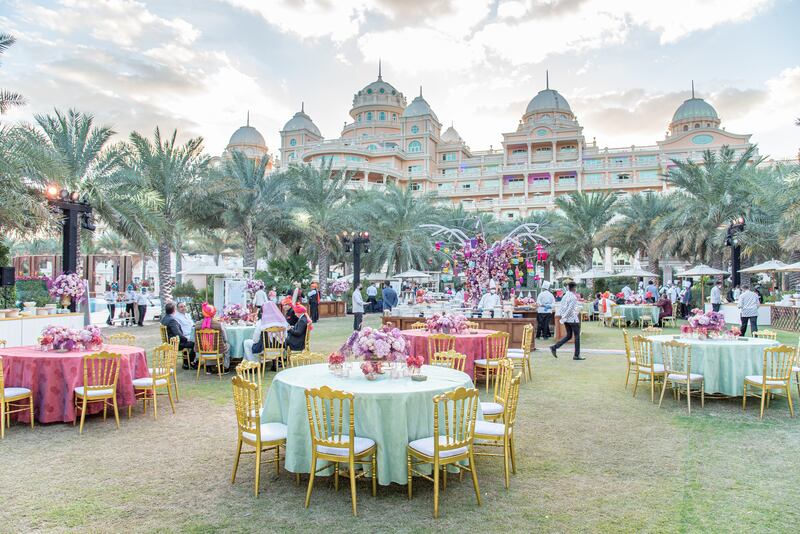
(732, 316)
(25, 330)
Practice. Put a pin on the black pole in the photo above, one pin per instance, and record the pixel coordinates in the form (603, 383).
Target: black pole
(356, 262)
(736, 277)
(69, 246)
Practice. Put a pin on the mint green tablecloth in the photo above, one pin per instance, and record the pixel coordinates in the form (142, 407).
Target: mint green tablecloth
(392, 412)
(236, 336)
(633, 312)
(723, 363)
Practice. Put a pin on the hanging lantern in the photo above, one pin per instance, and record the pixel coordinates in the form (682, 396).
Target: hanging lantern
(446, 250)
(438, 245)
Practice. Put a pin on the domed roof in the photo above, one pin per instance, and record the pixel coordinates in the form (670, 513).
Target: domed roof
(301, 121)
(450, 135)
(547, 100)
(419, 107)
(379, 86)
(247, 136)
(694, 108)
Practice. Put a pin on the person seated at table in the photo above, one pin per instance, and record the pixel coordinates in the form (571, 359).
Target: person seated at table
(271, 317)
(286, 307)
(174, 330)
(596, 302)
(185, 320)
(606, 307)
(209, 322)
(665, 308)
(296, 334)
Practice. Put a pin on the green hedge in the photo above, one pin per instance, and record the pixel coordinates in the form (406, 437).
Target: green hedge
(8, 297)
(33, 291)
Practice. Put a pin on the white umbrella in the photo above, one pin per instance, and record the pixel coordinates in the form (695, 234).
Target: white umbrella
(702, 270)
(635, 272)
(208, 270)
(791, 268)
(413, 274)
(766, 267)
(371, 277)
(593, 273)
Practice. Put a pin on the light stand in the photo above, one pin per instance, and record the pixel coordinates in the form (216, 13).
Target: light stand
(357, 241)
(735, 227)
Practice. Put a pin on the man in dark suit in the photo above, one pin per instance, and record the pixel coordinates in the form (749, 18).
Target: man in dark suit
(296, 334)
(389, 297)
(174, 330)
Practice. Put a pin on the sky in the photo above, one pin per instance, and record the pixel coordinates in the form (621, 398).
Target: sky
(199, 66)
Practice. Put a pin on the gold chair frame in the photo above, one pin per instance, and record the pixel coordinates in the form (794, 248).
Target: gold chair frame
(652, 330)
(523, 363)
(672, 319)
(646, 316)
(472, 325)
(451, 358)
(274, 341)
(776, 374)
(9, 405)
(206, 349)
(506, 441)
(766, 334)
(502, 381)
(176, 341)
(326, 409)
(163, 365)
(299, 359)
(629, 357)
(645, 366)
(677, 358)
(100, 373)
(419, 325)
(616, 315)
(122, 338)
(496, 349)
(441, 343)
(459, 413)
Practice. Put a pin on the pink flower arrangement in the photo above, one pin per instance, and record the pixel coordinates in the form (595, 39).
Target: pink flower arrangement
(450, 324)
(384, 344)
(67, 285)
(339, 286)
(336, 358)
(734, 331)
(60, 337)
(634, 299)
(253, 285)
(704, 323)
(235, 313)
(371, 368)
(415, 361)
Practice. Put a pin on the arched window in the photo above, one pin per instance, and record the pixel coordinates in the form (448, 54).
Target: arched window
(383, 115)
(708, 125)
(292, 141)
(685, 128)
(369, 115)
(697, 125)
(359, 117)
(415, 146)
(372, 148)
(394, 116)
(415, 129)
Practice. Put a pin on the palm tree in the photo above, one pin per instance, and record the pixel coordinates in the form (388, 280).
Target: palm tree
(635, 228)
(470, 223)
(577, 228)
(174, 175)
(255, 203)
(393, 218)
(319, 195)
(215, 242)
(8, 98)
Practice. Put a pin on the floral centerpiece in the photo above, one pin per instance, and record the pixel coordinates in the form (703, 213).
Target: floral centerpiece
(415, 363)
(376, 346)
(253, 285)
(66, 339)
(66, 288)
(336, 360)
(91, 338)
(339, 287)
(525, 301)
(703, 324)
(635, 298)
(447, 324)
(236, 313)
(733, 332)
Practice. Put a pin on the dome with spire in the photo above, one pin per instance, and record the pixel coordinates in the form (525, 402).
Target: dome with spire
(694, 108)
(451, 136)
(301, 121)
(419, 107)
(247, 136)
(547, 100)
(378, 96)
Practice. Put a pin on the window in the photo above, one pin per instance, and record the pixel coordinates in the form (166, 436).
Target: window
(623, 177)
(415, 129)
(415, 187)
(449, 172)
(646, 160)
(292, 141)
(593, 179)
(394, 116)
(619, 162)
(369, 115)
(291, 155)
(697, 125)
(519, 151)
(415, 146)
(467, 185)
(568, 148)
(685, 128)
(369, 91)
(590, 163)
(354, 158)
(449, 156)
(383, 113)
(358, 118)
(648, 175)
(414, 168)
(543, 149)
(382, 90)
(708, 125)
(372, 148)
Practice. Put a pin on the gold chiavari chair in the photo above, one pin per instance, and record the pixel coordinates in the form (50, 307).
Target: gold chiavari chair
(646, 317)
(251, 431)
(298, 359)
(492, 434)
(207, 349)
(496, 349)
(176, 341)
(146, 388)
(274, 340)
(494, 409)
(671, 319)
(331, 417)
(441, 343)
(777, 374)
(11, 400)
(173, 375)
(677, 359)
(651, 331)
(164, 334)
(100, 376)
(617, 317)
(451, 358)
(472, 325)
(122, 339)
(522, 356)
(796, 370)
(766, 334)
(452, 445)
(629, 357)
(646, 368)
(419, 325)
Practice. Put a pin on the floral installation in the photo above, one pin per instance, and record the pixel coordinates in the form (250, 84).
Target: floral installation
(376, 346)
(63, 338)
(67, 285)
(339, 286)
(235, 313)
(253, 285)
(485, 263)
(415, 361)
(526, 301)
(704, 324)
(734, 331)
(634, 299)
(448, 324)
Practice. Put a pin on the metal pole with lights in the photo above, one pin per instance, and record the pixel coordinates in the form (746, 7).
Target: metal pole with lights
(357, 241)
(73, 208)
(736, 226)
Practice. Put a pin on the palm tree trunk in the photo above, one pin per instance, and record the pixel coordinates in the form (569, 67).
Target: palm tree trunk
(250, 243)
(144, 266)
(323, 266)
(164, 273)
(178, 263)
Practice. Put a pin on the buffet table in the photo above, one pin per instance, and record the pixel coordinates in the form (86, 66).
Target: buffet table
(512, 326)
(331, 308)
(19, 331)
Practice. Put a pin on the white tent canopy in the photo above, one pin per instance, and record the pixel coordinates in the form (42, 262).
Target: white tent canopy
(208, 270)
(702, 270)
(791, 268)
(413, 274)
(593, 273)
(766, 267)
(635, 272)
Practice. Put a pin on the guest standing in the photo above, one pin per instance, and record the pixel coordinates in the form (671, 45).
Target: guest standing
(716, 296)
(143, 300)
(313, 302)
(358, 307)
(748, 307)
(686, 301)
(372, 296)
(571, 319)
(130, 304)
(544, 311)
(259, 299)
(111, 302)
(390, 297)
(652, 290)
(174, 329)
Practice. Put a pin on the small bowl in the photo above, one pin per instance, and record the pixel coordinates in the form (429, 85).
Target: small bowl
(48, 306)
(42, 311)
(419, 378)
(31, 304)
(12, 313)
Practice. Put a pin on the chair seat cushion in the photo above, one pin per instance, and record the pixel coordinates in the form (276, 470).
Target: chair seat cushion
(491, 408)
(682, 377)
(483, 362)
(93, 393)
(488, 428)
(425, 446)
(518, 356)
(796, 369)
(515, 351)
(359, 446)
(657, 368)
(160, 371)
(12, 393)
(269, 432)
(148, 382)
(758, 379)
(632, 359)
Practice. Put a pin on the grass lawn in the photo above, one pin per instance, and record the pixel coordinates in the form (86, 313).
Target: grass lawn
(590, 459)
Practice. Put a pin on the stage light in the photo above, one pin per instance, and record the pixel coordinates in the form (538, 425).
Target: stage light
(74, 196)
(64, 194)
(52, 191)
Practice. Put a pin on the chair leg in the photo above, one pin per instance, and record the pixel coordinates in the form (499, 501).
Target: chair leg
(763, 398)
(219, 368)
(105, 410)
(155, 403)
(30, 400)
(3, 425)
(436, 488)
(116, 410)
(506, 474)
(689, 395)
(474, 476)
(375, 473)
(83, 415)
(652, 388)
(627, 374)
(336, 476)
(278, 460)
(353, 487)
(175, 383)
(444, 478)
(311, 478)
(171, 403)
(663, 389)
(788, 396)
(512, 455)
(636, 383)
(258, 466)
(199, 365)
(410, 474)
(236, 460)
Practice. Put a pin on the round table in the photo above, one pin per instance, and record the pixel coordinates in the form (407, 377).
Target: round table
(236, 334)
(633, 312)
(723, 363)
(390, 411)
(53, 377)
(471, 344)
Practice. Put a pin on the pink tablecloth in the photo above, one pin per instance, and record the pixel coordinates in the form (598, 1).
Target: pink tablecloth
(53, 376)
(473, 345)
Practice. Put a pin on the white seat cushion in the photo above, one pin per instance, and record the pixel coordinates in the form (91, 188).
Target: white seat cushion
(758, 379)
(515, 351)
(359, 446)
(657, 368)
(519, 356)
(486, 363)
(632, 359)
(94, 392)
(796, 369)
(10, 393)
(160, 371)
(425, 446)
(488, 428)
(269, 432)
(682, 377)
(491, 408)
(148, 382)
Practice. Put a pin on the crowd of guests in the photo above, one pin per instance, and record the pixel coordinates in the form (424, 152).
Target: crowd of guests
(136, 298)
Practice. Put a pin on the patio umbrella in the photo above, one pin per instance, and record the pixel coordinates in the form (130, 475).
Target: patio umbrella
(791, 268)
(702, 270)
(413, 274)
(766, 267)
(592, 274)
(636, 272)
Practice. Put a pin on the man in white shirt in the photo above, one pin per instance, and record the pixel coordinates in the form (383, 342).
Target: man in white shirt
(142, 300)
(458, 298)
(736, 293)
(748, 307)
(490, 300)
(259, 299)
(627, 292)
(372, 296)
(184, 321)
(358, 307)
(673, 292)
(716, 296)
(571, 319)
(544, 311)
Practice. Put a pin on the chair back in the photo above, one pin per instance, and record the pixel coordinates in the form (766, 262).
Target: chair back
(497, 345)
(175, 341)
(298, 359)
(247, 401)
(122, 339)
(652, 330)
(454, 414)
(330, 415)
(207, 341)
(307, 346)
(643, 351)
(164, 334)
(100, 371)
(766, 334)
(441, 343)
(472, 325)
(677, 357)
(451, 358)
(778, 363)
(527, 339)
(419, 326)
(502, 380)
(162, 361)
(627, 339)
(274, 339)
(251, 372)
(511, 403)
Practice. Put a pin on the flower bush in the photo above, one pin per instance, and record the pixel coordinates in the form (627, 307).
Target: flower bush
(453, 324)
(67, 285)
(339, 287)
